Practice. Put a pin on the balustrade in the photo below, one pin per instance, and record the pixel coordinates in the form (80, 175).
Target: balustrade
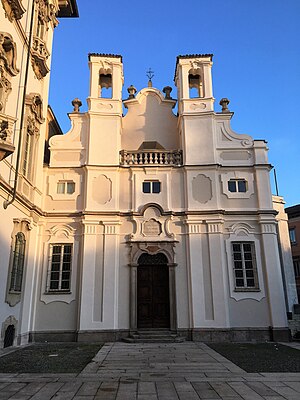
(151, 157)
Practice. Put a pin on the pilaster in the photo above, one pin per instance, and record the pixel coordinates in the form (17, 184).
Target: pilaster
(273, 276)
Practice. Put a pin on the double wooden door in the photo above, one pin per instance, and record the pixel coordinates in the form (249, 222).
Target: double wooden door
(153, 303)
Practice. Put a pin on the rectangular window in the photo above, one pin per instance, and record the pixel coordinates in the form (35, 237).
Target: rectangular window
(244, 264)
(151, 187)
(18, 263)
(237, 185)
(59, 272)
(292, 232)
(296, 262)
(65, 187)
(27, 155)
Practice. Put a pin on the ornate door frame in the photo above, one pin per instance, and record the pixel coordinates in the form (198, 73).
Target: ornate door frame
(152, 248)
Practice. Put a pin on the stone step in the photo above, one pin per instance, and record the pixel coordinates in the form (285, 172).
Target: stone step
(154, 336)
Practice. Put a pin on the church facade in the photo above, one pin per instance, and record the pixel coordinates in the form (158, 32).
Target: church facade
(148, 221)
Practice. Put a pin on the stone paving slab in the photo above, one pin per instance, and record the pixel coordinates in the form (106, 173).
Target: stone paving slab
(160, 371)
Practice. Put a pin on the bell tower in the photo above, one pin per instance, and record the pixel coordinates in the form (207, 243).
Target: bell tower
(105, 108)
(195, 107)
(194, 83)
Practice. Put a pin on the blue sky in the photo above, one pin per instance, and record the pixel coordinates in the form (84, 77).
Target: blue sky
(256, 47)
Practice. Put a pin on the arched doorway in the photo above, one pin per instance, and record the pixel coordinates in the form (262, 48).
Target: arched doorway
(153, 297)
(9, 336)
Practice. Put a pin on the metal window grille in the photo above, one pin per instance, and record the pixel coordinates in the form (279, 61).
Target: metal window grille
(59, 272)
(18, 263)
(244, 264)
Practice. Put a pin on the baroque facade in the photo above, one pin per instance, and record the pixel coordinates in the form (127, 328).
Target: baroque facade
(144, 221)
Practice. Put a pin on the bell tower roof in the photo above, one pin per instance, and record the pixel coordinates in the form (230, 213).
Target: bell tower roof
(104, 55)
(191, 56)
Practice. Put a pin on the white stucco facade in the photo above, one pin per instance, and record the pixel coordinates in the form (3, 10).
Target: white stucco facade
(127, 197)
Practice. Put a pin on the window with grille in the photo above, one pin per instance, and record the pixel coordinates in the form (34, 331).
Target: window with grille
(65, 187)
(151, 187)
(18, 263)
(237, 185)
(244, 265)
(60, 265)
(292, 232)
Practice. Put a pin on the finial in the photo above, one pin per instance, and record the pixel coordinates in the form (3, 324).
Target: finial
(167, 90)
(224, 103)
(150, 75)
(132, 91)
(76, 103)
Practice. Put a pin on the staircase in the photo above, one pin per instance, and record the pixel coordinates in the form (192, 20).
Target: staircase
(154, 336)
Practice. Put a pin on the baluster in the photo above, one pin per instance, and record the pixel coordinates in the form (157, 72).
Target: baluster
(150, 158)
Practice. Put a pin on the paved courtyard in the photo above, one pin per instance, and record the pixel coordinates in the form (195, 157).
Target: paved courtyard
(184, 371)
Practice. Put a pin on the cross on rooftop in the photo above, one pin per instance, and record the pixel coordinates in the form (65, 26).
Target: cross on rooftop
(150, 74)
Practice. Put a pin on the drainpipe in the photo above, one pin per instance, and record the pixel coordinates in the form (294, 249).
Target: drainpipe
(7, 202)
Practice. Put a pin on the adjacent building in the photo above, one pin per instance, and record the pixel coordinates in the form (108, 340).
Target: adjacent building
(294, 231)
(26, 33)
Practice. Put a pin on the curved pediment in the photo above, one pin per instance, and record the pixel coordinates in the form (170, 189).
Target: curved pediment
(150, 119)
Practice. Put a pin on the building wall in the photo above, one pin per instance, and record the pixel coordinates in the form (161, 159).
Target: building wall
(194, 218)
(87, 218)
(294, 229)
(23, 106)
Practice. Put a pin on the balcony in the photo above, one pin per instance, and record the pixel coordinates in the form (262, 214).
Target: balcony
(151, 157)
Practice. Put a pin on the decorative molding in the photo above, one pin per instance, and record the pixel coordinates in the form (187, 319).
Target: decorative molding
(61, 232)
(8, 53)
(257, 295)
(111, 227)
(231, 136)
(202, 188)
(105, 106)
(35, 104)
(90, 228)
(241, 228)
(151, 227)
(268, 228)
(5, 88)
(194, 227)
(6, 131)
(138, 248)
(153, 224)
(215, 227)
(13, 9)
(249, 178)
(198, 106)
(40, 55)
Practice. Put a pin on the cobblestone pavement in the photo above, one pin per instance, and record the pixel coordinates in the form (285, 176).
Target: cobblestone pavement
(183, 371)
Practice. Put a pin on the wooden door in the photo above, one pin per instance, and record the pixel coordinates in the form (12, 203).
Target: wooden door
(153, 304)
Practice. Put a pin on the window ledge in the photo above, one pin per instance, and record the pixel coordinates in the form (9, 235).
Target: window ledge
(247, 290)
(58, 292)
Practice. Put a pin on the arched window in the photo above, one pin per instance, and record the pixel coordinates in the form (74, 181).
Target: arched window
(105, 85)
(9, 336)
(18, 263)
(195, 85)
